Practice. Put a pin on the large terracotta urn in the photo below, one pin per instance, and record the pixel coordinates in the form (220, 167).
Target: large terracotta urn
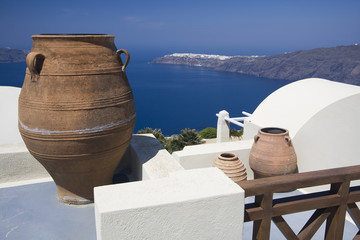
(231, 166)
(76, 111)
(272, 153)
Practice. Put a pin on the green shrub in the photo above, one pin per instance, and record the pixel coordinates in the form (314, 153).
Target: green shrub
(208, 132)
(190, 137)
(156, 132)
(175, 142)
(146, 130)
(236, 133)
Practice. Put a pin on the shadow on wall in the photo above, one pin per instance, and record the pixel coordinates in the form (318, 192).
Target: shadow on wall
(145, 159)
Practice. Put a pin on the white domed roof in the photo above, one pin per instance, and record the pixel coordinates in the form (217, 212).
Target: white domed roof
(293, 105)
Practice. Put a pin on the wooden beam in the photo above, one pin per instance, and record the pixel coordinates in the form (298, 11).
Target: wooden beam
(354, 212)
(314, 223)
(292, 205)
(261, 228)
(336, 220)
(354, 194)
(299, 180)
(284, 228)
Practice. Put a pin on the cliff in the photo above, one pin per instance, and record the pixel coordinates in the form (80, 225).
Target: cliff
(340, 64)
(10, 55)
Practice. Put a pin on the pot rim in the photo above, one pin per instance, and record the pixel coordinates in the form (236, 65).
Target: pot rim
(282, 132)
(228, 156)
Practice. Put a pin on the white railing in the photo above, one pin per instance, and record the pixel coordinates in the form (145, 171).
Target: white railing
(223, 126)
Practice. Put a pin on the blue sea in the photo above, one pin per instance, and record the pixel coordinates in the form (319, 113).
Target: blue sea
(175, 97)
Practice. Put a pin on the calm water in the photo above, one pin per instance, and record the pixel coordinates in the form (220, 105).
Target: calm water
(174, 97)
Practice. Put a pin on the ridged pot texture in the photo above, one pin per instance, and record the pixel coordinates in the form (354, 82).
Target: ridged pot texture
(232, 166)
(76, 110)
(272, 153)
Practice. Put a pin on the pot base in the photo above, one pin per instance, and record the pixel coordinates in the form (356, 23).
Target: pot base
(68, 197)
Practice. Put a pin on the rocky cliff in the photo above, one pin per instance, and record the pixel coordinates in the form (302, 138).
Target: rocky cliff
(10, 55)
(340, 64)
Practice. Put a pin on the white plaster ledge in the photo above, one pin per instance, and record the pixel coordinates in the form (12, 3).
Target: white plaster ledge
(155, 161)
(202, 156)
(193, 204)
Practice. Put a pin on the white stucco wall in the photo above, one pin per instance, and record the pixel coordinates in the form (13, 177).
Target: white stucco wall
(17, 166)
(330, 139)
(9, 115)
(193, 204)
(148, 159)
(203, 156)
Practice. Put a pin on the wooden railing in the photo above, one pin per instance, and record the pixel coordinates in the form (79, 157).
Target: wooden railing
(330, 205)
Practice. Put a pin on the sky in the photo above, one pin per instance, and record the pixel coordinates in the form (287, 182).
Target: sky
(225, 27)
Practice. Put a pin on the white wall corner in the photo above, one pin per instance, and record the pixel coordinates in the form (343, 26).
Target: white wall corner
(148, 159)
(193, 204)
(250, 129)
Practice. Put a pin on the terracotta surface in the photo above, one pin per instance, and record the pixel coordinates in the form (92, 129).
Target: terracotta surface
(272, 153)
(231, 165)
(76, 110)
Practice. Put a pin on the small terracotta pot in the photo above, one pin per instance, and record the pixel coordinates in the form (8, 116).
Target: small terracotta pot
(272, 153)
(231, 165)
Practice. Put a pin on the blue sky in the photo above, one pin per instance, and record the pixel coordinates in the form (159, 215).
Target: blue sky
(221, 27)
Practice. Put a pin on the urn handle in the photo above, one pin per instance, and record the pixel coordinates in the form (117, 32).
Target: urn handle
(256, 138)
(119, 52)
(35, 61)
(288, 140)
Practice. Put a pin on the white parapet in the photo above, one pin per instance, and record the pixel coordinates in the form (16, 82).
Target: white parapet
(193, 204)
(18, 165)
(202, 156)
(9, 133)
(148, 159)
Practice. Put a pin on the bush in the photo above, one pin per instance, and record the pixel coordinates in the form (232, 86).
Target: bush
(236, 133)
(146, 130)
(208, 132)
(190, 137)
(175, 142)
(156, 132)
(187, 137)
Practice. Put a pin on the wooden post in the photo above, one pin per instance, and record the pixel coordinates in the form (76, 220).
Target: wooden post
(336, 220)
(261, 229)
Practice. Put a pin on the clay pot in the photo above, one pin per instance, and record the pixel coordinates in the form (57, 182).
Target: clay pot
(230, 164)
(272, 153)
(76, 111)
